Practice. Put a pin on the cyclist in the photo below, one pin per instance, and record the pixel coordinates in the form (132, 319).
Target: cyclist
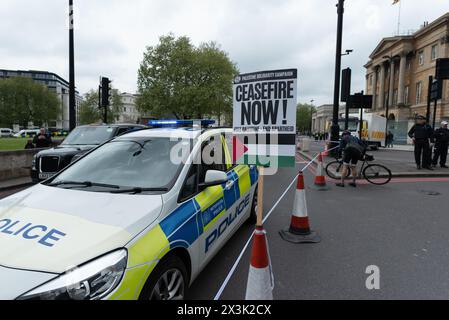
(353, 150)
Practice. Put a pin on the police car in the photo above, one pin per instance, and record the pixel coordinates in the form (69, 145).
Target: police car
(138, 217)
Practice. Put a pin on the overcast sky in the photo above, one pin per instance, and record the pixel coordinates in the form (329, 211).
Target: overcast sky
(111, 35)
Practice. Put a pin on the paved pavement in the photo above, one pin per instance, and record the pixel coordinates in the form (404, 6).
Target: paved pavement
(15, 183)
(400, 162)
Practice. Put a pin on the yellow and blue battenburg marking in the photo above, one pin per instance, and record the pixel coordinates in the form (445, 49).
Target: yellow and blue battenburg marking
(183, 227)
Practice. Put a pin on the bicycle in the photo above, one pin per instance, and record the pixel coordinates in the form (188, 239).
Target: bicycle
(374, 173)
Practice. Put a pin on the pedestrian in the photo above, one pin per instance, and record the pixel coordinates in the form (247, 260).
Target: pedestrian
(422, 135)
(42, 140)
(390, 139)
(29, 144)
(353, 150)
(441, 136)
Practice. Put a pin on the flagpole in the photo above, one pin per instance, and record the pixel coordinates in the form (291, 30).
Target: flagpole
(399, 17)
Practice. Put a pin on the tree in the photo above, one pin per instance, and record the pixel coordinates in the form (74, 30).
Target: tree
(304, 117)
(178, 79)
(23, 100)
(91, 113)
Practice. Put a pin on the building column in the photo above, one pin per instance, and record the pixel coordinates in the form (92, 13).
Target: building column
(381, 100)
(391, 90)
(375, 88)
(401, 87)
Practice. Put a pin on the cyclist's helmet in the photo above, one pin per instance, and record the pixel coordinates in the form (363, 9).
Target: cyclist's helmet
(346, 133)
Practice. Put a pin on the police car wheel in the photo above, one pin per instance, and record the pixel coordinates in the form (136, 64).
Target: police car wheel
(168, 281)
(253, 216)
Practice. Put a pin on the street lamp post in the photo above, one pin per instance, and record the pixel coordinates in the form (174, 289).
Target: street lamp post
(311, 116)
(335, 129)
(72, 110)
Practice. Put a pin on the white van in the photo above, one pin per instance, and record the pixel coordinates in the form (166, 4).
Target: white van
(6, 133)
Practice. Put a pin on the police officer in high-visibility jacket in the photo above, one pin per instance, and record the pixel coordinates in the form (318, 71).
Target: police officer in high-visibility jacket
(441, 136)
(422, 135)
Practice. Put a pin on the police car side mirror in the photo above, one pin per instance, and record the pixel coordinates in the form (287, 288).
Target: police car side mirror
(214, 178)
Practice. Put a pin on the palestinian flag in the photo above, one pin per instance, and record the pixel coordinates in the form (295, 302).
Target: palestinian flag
(273, 150)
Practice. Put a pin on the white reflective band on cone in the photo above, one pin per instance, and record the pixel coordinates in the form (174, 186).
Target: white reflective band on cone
(264, 288)
(319, 169)
(300, 206)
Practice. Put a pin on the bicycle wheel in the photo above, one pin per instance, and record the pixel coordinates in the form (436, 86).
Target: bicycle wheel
(334, 170)
(377, 174)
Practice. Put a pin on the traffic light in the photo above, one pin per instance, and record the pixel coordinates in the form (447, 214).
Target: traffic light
(360, 101)
(442, 69)
(105, 91)
(346, 84)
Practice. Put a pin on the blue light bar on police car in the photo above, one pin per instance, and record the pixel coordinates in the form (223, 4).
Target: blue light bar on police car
(179, 123)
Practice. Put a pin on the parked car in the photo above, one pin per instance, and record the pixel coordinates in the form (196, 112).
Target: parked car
(6, 133)
(28, 133)
(57, 132)
(78, 143)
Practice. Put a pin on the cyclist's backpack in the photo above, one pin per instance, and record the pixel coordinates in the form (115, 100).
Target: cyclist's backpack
(354, 144)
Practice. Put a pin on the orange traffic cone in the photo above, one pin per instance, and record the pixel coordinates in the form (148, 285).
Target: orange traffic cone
(320, 179)
(260, 278)
(299, 231)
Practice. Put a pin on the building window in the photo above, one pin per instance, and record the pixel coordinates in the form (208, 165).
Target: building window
(406, 94)
(418, 92)
(434, 52)
(409, 65)
(371, 80)
(395, 97)
(421, 57)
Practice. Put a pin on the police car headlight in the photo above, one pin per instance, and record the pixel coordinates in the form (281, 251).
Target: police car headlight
(92, 281)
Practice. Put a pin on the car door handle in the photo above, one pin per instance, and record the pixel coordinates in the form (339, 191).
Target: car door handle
(229, 184)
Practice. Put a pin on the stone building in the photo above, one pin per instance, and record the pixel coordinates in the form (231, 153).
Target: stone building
(129, 113)
(322, 118)
(397, 74)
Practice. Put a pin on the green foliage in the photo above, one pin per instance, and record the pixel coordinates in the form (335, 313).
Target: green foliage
(91, 113)
(23, 100)
(304, 116)
(178, 79)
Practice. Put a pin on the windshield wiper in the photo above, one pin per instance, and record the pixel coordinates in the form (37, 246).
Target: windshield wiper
(137, 190)
(86, 184)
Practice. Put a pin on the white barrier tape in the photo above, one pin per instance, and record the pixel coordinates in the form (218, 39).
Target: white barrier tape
(231, 272)
(316, 157)
(310, 163)
(236, 263)
(234, 267)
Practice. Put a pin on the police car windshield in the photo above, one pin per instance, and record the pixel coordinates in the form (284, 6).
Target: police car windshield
(145, 164)
(89, 136)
